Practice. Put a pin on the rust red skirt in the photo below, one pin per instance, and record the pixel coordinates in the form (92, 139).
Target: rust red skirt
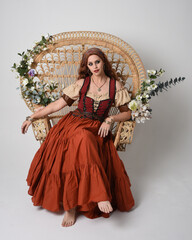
(74, 166)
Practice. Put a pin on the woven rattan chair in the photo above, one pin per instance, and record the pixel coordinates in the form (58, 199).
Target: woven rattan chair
(60, 62)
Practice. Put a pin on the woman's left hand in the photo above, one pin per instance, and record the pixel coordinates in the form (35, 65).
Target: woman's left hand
(104, 128)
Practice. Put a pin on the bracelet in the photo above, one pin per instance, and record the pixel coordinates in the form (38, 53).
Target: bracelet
(28, 118)
(106, 121)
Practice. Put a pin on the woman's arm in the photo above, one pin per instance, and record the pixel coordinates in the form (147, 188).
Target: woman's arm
(50, 108)
(121, 117)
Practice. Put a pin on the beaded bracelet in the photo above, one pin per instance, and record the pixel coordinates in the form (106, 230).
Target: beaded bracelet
(109, 122)
(28, 118)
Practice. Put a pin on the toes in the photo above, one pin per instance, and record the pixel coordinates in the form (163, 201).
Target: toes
(108, 211)
(100, 207)
(107, 208)
(63, 224)
(110, 207)
(67, 224)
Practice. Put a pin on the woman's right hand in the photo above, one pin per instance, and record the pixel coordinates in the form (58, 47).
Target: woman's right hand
(25, 126)
(27, 123)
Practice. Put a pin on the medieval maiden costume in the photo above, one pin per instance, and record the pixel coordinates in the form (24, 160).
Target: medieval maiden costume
(77, 167)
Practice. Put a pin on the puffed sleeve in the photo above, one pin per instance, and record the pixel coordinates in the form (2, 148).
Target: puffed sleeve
(71, 93)
(122, 98)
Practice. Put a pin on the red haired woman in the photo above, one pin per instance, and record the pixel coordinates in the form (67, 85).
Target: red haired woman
(77, 166)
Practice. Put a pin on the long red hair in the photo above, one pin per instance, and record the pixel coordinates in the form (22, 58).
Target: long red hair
(84, 70)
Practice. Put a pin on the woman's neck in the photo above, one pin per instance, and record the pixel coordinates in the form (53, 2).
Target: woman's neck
(99, 79)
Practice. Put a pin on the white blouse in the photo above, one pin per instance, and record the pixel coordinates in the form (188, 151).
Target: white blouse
(121, 96)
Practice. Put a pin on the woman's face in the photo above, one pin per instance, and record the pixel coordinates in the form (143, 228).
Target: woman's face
(95, 65)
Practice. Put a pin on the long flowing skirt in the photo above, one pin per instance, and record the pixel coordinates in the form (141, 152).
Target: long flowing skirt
(77, 167)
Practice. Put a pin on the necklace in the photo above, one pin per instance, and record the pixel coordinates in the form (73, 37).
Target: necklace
(99, 88)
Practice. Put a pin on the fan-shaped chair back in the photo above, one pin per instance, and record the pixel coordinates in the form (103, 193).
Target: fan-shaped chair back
(60, 63)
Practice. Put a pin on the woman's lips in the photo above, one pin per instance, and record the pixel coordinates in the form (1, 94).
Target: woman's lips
(96, 70)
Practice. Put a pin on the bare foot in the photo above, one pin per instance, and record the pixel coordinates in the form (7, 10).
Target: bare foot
(69, 218)
(105, 206)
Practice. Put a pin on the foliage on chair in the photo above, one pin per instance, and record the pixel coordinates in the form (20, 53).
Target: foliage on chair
(141, 110)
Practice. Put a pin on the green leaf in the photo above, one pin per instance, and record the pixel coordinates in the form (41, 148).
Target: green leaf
(14, 65)
(153, 77)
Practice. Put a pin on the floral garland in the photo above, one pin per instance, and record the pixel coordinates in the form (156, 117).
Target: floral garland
(140, 104)
(31, 87)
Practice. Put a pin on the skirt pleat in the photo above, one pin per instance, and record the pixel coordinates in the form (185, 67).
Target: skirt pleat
(75, 167)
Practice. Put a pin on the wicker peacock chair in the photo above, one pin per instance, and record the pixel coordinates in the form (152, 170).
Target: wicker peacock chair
(60, 62)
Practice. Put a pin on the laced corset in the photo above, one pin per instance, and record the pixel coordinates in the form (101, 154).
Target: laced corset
(97, 108)
(96, 105)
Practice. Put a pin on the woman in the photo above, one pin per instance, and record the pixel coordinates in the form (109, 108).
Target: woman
(77, 166)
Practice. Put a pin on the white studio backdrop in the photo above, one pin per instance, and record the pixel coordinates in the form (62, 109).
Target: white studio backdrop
(158, 161)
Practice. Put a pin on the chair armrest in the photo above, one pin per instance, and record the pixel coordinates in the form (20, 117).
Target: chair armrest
(124, 134)
(41, 128)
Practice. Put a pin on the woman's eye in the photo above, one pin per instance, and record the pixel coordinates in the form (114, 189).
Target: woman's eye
(98, 61)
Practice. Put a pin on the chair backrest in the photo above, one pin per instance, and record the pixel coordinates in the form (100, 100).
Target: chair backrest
(60, 62)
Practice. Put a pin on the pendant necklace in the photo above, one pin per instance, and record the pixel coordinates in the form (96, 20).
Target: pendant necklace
(99, 88)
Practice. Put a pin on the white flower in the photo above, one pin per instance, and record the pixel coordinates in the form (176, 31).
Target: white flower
(145, 95)
(132, 115)
(143, 108)
(138, 97)
(52, 81)
(32, 88)
(25, 82)
(138, 120)
(136, 114)
(153, 86)
(30, 61)
(142, 119)
(147, 113)
(35, 79)
(149, 88)
(139, 103)
(147, 80)
(151, 72)
(133, 105)
(46, 87)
